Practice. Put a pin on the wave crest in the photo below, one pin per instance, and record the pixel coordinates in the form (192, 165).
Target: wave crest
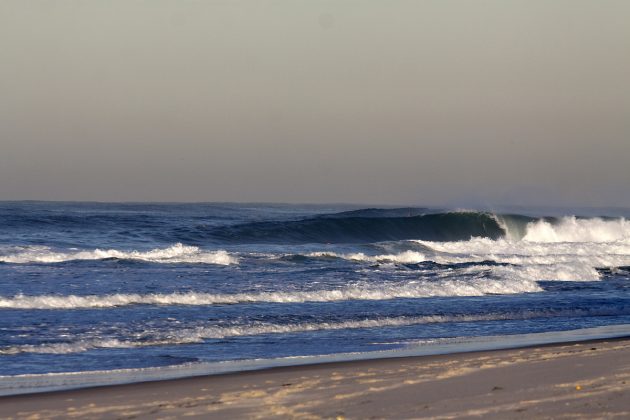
(177, 253)
(413, 289)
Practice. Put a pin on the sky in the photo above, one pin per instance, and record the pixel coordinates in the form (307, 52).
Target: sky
(386, 102)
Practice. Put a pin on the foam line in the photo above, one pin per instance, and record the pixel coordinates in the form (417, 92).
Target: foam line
(412, 289)
(177, 253)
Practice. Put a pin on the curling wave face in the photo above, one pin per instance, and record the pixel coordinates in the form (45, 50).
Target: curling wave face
(362, 226)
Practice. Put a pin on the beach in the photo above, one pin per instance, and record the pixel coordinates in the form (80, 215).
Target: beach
(588, 379)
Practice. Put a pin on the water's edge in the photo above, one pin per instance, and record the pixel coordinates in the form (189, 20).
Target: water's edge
(39, 383)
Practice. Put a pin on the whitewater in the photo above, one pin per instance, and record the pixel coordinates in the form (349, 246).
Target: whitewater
(93, 286)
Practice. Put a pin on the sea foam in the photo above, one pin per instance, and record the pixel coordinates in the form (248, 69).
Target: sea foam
(572, 229)
(177, 253)
(570, 249)
(408, 257)
(358, 291)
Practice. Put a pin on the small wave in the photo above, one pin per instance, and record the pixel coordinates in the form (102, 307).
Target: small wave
(406, 257)
(413, 289)
(177, 253)
(202, 333)
(78, 346)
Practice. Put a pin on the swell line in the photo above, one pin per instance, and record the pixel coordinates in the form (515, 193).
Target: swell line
(414, 289)
(202, 333)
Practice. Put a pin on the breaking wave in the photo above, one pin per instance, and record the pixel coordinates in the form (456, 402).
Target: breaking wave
(412, 289)
(452, 256)
(377, 225)
(573, 229)
(567, 248)
(539, 255)
(177, 253)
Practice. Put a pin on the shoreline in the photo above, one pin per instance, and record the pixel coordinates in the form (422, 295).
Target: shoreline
(26, 384)
(589, 377)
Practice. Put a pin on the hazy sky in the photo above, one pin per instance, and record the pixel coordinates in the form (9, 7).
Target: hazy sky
(417, 102)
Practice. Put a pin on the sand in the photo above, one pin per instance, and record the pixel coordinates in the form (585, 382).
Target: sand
(575, 380)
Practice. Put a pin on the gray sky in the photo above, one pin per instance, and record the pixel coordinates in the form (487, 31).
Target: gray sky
(426, 102)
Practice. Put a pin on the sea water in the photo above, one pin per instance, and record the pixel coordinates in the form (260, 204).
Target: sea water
(90, 287)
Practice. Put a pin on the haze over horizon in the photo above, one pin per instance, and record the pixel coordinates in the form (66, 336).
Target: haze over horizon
(398, 102)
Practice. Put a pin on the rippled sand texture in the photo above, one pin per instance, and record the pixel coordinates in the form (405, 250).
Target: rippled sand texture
(585, 380)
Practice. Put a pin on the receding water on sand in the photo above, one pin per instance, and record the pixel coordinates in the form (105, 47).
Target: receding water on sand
(24, 384)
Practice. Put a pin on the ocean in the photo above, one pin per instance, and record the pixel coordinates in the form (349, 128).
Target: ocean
(106, 287)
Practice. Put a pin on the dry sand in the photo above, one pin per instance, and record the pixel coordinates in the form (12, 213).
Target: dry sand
(577, 380)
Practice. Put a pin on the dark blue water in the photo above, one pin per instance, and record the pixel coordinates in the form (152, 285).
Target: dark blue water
(87, 286)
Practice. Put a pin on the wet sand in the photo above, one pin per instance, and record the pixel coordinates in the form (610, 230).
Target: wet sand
(576, 380)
